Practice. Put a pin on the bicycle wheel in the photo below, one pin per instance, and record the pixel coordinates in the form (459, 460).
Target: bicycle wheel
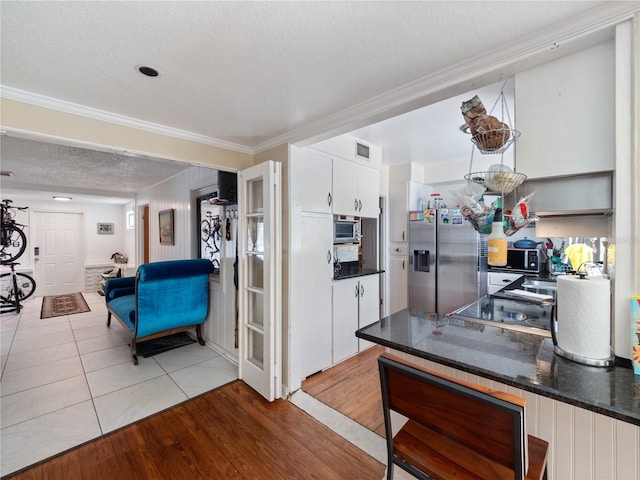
(14, 243)
(205, 230)
(12, 295)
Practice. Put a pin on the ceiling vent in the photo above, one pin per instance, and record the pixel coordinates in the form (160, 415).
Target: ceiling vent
(362, 150)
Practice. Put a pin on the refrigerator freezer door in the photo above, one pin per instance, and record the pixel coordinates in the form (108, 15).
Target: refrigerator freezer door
(422, 268)
(457, 263)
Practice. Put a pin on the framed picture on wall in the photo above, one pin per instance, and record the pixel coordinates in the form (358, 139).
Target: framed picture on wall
(105, 228)
(166, 227)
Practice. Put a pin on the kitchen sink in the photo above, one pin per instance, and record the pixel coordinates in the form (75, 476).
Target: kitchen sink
(540, 284)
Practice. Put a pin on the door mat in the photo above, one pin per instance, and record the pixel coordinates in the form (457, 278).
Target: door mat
(67, 304)
(163, 344)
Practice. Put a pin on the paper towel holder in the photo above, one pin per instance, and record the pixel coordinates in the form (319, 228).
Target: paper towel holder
(593, 362)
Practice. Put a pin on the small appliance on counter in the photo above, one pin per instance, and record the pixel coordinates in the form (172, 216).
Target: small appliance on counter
(582, 322)
(346, 230)
(525, 260)
(345, 253)
(346, 260)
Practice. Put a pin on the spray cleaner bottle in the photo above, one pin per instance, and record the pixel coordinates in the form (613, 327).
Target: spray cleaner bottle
(497, 242)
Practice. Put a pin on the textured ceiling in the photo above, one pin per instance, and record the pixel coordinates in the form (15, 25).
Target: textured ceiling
(248, 75)
(59, 169)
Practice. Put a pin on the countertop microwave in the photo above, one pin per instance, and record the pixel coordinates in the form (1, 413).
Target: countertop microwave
(346, 231)
(524, 259)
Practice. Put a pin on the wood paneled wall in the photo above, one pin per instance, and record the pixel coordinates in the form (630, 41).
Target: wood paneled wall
(175, 193)
(583, 445)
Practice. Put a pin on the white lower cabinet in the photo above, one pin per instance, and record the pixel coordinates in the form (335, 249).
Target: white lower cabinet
(369, 305)
(356, 304)
(498, 280)
(346, 294)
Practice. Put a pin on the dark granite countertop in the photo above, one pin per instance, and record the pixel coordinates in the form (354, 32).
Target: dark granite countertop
(519, 359)
(347, 272)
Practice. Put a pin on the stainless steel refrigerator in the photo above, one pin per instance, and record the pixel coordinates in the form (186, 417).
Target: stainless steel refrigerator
(443, 250)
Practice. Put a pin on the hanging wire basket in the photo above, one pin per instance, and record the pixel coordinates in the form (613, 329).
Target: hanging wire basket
(495, 141)
(497, 181)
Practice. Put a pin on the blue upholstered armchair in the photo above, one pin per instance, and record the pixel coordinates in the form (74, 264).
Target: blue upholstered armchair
(163, 298)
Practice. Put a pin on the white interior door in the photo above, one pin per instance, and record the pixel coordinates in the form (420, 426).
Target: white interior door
(59, 240)
(260, 279)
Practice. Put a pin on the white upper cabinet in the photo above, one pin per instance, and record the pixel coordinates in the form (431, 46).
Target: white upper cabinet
(368, 192)
(355, 189)
(565, 112)
(311, 180)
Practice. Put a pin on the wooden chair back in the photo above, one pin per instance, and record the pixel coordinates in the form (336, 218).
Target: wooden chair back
(455, 429)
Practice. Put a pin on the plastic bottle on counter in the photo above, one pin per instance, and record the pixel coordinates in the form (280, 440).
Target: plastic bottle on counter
(497, 242)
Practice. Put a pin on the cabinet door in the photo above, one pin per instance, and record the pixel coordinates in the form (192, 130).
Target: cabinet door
(368, 192)
(345, 318)
(369, 306)
(398, 276)
(312, 272)
(398, 211)
(311, 186)
(550, 97)
(345, 187)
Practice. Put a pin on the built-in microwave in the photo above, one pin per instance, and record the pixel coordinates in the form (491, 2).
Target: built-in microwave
(346, 231)
(524, 259)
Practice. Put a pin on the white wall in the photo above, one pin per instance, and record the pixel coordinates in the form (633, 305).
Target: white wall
(99, 248)
(175, 193)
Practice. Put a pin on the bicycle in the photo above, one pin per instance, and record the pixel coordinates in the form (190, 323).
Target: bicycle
(13, 241)
(211, 236)
(15, 288)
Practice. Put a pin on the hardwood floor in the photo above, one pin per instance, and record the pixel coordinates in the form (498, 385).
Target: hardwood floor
(352, 388)
(230, 433)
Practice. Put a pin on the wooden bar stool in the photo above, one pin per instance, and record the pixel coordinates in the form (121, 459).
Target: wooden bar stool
(456, 429)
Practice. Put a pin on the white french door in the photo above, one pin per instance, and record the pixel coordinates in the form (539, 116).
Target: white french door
(260, 278)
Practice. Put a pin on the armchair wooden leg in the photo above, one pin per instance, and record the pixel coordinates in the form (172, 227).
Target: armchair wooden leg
(134, 354)
(199, 335)
(108, 319)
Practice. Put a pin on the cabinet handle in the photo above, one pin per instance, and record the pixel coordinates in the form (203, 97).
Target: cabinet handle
(403, 236)
(357, 291)
(355, 204)
(403, 264)
(328, 256)
(359, 205)
(361, 290)
(397, 249)
(329, 199)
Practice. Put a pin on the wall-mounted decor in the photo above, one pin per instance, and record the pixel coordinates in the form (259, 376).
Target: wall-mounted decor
(166, 227)
(105, 228)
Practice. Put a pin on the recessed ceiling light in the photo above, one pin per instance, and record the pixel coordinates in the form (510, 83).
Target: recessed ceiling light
(148, 71)
(61, 199)
(6, 173)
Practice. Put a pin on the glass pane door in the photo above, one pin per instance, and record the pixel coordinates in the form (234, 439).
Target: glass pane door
(260, 278)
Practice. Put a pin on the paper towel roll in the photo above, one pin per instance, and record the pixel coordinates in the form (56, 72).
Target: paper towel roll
(584, 316)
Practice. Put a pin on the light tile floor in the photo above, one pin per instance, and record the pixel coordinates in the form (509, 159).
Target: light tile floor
(67, 380)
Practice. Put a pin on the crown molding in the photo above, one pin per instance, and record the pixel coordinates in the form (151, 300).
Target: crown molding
(101, 115)
(545, 45)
